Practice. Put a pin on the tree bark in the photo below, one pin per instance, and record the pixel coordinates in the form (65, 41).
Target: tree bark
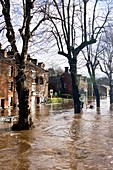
(111, 94)
(91, 72)
(97, 95)
(25, 120)
(75, 91)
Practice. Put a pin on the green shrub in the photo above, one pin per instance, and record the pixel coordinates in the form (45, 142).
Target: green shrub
(54, 100)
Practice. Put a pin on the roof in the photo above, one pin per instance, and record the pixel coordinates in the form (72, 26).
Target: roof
(10, 60)
(36, 67)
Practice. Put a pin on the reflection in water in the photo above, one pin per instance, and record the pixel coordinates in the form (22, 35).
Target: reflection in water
(60, 140)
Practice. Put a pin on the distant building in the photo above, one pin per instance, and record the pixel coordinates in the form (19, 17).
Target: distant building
(90, 88)
(55, 85)
(104, 90)
(83, 85)
(63, 83)
(103, 85)
(66, 82)
(39, 89)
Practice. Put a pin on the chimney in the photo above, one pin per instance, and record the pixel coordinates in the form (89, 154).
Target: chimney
(41, 65)
(3, 52)
(66, 69)
(34, 61)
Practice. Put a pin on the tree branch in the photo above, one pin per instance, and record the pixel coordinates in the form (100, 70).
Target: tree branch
(82, 45)
(9, 28)
(39, 23)
(62, 53)
(93, 20)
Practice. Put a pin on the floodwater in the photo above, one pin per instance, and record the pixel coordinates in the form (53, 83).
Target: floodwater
(60, 140)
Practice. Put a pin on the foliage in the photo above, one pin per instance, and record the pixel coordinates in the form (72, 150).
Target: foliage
(54, 100)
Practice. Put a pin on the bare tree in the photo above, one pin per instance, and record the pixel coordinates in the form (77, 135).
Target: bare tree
(106, 58)
(55, 70)
(67, 22)
(92, 63)
(23, 27)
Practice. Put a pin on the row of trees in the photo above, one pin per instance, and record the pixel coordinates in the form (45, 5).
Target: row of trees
(62, 24)
(99, 59)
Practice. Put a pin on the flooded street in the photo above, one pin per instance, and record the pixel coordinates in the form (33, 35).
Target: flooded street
(60, 140)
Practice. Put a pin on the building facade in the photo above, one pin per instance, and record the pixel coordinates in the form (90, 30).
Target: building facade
(7, 85)
(37, 81)
(39, 85)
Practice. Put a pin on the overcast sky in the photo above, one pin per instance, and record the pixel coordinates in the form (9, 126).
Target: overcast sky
(49, 57)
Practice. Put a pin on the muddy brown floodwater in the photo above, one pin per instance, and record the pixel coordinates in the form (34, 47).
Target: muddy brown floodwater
(60, 140)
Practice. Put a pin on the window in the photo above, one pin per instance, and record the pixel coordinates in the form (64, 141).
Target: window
(36, 80)
(11, 71)
(10, 86)
(33, 74)
(41, 80)
(33, 86)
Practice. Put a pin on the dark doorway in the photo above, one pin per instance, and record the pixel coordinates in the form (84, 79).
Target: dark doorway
(2, 103)
(11, 104)
(37, 100)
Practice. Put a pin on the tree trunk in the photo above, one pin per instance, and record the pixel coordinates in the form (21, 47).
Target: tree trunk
(25, 121)
(111, 86)
(97, 95)
(75, 91)
(91, 72)
(111, 94)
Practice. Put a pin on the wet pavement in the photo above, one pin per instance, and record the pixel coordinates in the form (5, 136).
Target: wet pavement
(60, 140)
